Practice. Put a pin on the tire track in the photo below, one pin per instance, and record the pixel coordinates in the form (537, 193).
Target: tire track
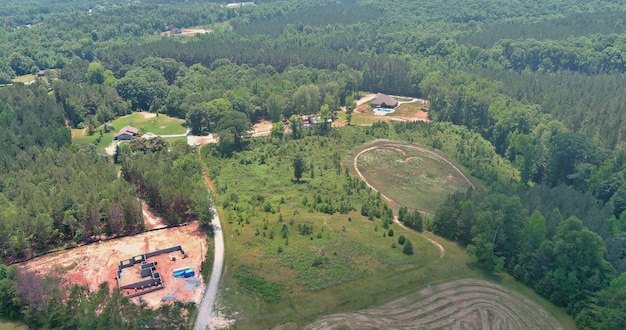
(461, 304)
(396, 147)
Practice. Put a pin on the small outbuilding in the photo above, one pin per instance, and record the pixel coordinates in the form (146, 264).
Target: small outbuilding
(384, 101)
(126, 133)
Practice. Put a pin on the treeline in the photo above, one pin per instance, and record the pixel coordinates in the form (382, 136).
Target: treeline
(65, 30)
(309, 15)
(60, 196)
(28, 117)
(561, 28)
(538, 236)
(384, 73)
(590, 104)
(169, 178)
(51, 195)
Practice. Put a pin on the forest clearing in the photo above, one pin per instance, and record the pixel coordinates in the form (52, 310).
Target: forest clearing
(96, 263)
(409, 175)
(293, 266)
(185, 32)
(414, 163)
(144, 121)
(363, 113)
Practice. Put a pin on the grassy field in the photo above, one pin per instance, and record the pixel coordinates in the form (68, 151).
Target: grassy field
(24, 79)
(160, 125)
(287, 264)
(358, 119)
(8, 325)
(412, 177)
(407, 109)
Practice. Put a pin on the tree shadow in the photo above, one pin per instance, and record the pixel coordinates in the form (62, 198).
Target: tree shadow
(490, 275)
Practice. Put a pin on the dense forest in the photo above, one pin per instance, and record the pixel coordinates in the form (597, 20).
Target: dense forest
(539, 85)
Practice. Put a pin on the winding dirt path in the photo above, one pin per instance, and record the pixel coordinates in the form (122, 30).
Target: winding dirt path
(395, 147)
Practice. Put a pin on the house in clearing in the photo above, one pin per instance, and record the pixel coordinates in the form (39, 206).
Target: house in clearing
(384, 101)
(126, 133)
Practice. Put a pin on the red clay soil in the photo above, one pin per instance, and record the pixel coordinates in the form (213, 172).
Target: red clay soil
(93, 264)
(206, 177)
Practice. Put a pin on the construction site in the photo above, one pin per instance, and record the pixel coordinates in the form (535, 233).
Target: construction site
(141, 266)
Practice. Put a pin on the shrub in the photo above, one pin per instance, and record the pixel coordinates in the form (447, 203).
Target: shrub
(408, 248)
(390, 234)
(401, 240)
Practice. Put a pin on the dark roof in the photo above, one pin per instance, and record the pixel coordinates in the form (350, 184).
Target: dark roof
(383, 99)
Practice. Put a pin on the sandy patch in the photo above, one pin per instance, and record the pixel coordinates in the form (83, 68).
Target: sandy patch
(194, 140)
(363, 110)
(147, 114)
(186, 32)
(95, 263)
(151, 220)
(110, 150)
(261, 126)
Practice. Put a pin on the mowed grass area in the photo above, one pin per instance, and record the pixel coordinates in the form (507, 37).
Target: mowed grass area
(358, 119)
(407, 109)
(159, 125)
(9, 325)
(418, 179)
(24, 79)
(321, 263)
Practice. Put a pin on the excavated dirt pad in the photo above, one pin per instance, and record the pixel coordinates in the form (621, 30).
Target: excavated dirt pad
(96, 263)
(363, 110)
(262, 126)
(186, 32)
(461, 304)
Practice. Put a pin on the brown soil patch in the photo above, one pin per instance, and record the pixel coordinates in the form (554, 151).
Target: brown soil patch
(262, 126)
(186, 32)
(148, 114)
(404, 112)
(461, 304)
(151, 220)
(93, 264)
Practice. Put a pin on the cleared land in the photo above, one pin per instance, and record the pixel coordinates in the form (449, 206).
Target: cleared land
(460, 304)
(410, 175)
(95, 263)
(344, 263)
(185, 32)
(363, 114)
(144, 121)
(24, 79)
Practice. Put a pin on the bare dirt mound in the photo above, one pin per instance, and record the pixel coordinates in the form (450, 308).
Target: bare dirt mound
(461, 304)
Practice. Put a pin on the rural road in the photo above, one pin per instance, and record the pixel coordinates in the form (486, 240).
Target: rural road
(205, 309)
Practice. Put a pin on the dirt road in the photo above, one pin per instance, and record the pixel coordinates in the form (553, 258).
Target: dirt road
(394, 146)
(205, 309)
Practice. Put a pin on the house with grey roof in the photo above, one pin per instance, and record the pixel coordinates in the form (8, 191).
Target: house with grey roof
(384, 101)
